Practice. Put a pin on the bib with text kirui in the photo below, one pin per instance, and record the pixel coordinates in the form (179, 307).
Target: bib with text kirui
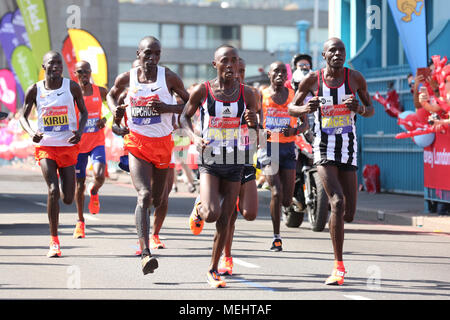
(55, 118)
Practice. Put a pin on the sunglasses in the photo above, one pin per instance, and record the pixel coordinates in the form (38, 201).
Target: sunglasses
(83, 71)
(303, 65)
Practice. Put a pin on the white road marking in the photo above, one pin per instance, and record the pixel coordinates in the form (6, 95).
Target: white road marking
(91, 218)
(245, 264)
(40, 204)
(354, 297)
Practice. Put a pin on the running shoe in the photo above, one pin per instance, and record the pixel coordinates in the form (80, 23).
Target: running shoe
(55, 250)
(94, 202)
(226, 266)
(191, 188)
(149, 263)
(276, 245)
(195, 222)
(79, 231)
(336, 278)
(155, 243)
(214, 279)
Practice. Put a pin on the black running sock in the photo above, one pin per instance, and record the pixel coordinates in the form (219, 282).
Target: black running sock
(145, 252)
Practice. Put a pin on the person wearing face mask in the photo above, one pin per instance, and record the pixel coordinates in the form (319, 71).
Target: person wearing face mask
(301, 65)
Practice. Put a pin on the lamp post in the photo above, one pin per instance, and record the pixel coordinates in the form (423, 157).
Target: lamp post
(302, 26)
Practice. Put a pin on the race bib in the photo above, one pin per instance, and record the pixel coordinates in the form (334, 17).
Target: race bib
(141, 114)
(336, 119)
(91, 124)
(55, 119)
(223, 132)
(276, 120)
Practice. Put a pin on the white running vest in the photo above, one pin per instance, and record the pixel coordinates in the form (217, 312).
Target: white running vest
(57, 117)
(142, 119)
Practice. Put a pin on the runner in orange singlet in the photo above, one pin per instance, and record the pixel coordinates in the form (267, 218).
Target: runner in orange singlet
(278, 160)
(92, 145)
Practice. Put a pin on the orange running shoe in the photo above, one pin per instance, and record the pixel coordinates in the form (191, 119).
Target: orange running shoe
(94, 202)
(277, 245)
(336, 278)
(214, 279)
(155, 243)
(195, 222)
(55, 250)
(226, 266)
(79, 231)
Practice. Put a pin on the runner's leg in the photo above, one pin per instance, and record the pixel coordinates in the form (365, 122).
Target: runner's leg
(287, 179)
(329, 175)
(141, 172)
(161, 210)
(49, 171)
(67, 176)
(99, 176)
(228, 192)
(276, 190)
(349, 184)
(79, 197)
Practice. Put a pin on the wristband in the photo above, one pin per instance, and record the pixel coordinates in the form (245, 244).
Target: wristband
(364, 112)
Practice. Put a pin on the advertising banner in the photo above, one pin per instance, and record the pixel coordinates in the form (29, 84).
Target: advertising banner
(69, 57)
(410, 19)
(9, 41)
(24, 66)
(8, 89)
(19, 28)
(87, 48)
(22, 39)
(437, 163)
(35, 19)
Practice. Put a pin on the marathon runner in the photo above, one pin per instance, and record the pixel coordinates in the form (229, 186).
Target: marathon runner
(247, 203)
(278, 160)
(56, 137)
(335, 146)
(149, 143)
(92, 145)
(226, 108)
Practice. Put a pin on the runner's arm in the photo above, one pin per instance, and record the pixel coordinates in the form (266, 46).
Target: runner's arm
(120, 85)
(78, 98)
(117, 127)
(195, 100)
(252, 106)
(300, 110)
(30, 101)
(102, 122)
(177, 86)
(366, 109)
(297, 108)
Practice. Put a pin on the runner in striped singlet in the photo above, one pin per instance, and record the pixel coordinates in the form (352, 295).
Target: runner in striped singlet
(225, 108)
(335, 145)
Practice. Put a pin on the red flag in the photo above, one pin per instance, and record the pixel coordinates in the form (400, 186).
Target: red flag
(69, 56)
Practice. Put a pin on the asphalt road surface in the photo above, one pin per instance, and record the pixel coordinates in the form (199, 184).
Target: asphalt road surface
(383, 262)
